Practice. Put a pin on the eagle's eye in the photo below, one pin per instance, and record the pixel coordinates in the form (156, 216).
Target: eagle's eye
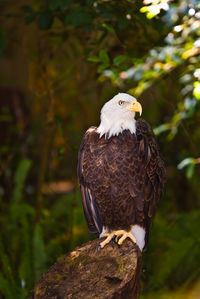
(121, 103)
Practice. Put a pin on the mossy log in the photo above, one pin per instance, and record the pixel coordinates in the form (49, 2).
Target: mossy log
(88, 273)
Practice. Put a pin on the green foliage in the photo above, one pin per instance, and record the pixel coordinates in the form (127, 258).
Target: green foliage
(77, 55)
(39, 254)
(19, 179)
(45, 20)
(59, 4)
(154, 8)
(196, 90)
(119, 59)
(180, 49)
(179, 244)
(17, 247)
(25, 253)
(189, 163)
(78, 16)
(103, 58)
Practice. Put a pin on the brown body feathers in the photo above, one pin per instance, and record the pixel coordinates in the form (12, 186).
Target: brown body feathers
(121, 179)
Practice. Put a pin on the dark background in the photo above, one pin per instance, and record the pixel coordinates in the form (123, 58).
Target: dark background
(61, 60)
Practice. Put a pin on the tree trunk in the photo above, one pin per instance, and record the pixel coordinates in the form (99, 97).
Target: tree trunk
(88, 273)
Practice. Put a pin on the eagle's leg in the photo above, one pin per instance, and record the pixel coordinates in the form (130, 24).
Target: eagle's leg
(124, 235)
(121, 234)
(109, 236)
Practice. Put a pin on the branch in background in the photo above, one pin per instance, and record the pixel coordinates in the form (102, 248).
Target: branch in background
(60, 187)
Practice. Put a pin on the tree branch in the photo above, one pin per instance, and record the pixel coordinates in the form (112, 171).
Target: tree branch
(88, 273)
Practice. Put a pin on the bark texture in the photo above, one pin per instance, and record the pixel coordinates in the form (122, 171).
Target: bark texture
(88, 273)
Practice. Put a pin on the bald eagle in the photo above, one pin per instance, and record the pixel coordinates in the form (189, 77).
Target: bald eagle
(121, 174)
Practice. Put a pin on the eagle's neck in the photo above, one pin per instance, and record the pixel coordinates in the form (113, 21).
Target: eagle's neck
(113, 127)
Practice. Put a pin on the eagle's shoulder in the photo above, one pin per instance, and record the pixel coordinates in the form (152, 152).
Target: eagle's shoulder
(143, 127)
(145, 133)
(90, 136)
(92, 130)
(91, 133)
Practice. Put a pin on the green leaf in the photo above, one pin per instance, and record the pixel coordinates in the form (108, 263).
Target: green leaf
(143, 9)
(62, 150)
(102, 67)
(109, 28)
(59, 4)
(196, 91)
(94, 59)
(78, 16)
(25, 270)
(45, 20)
(5, 288)
(39, 252)
(190, 171)
(19, 178)
(119, 59)
(162, 128)
(103, 57)
(6, 268)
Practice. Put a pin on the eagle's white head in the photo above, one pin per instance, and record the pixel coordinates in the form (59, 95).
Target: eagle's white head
(118, 114)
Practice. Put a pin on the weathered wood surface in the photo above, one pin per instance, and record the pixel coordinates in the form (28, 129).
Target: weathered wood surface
(88, 273)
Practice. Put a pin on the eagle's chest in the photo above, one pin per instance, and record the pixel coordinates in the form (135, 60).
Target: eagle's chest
(114, 161)
(111, 165)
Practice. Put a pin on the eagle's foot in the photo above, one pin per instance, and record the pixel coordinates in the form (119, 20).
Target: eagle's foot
(124, 235)
(110, 238)
(120, 235)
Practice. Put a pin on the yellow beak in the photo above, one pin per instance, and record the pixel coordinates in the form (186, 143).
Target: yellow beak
(135, 106)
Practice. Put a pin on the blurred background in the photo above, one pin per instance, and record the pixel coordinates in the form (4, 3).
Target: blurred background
(60, 61)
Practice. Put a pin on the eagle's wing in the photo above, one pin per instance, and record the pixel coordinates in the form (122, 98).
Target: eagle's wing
(89, 204)
(153, 177)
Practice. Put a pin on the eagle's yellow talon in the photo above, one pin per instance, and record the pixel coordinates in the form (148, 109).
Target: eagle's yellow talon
(121, 234)
(106, 235)
(107, 240)
(126, 235)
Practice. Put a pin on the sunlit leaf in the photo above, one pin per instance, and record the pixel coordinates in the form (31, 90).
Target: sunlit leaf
(186, 162)
(196, 91)
(162, 128)
(143, 9)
